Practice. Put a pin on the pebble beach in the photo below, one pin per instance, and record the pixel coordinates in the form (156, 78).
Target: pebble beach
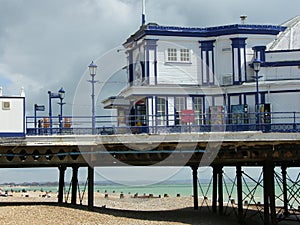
(41, 208)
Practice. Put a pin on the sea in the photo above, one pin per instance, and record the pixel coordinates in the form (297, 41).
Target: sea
(172, 189)
(252, 191)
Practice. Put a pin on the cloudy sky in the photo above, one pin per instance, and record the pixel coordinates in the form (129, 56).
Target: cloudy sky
(45, 45)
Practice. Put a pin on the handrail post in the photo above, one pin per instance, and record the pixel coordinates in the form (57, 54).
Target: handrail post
(294, 124)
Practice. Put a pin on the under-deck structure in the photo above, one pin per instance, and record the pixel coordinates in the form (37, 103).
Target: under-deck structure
(218, 150)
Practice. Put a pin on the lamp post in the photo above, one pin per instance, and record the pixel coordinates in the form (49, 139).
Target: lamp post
(93, 70)
(59, 95)
(256, 66)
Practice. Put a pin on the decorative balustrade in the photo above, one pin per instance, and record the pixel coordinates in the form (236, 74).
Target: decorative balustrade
(155, 124)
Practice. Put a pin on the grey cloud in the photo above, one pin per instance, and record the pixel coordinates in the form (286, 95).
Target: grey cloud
(50, 43)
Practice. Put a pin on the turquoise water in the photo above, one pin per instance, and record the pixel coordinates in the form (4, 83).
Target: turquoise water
(184, 190)
(251, 192)
(160, 189)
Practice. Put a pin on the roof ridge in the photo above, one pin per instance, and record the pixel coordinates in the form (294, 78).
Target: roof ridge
(289, 25)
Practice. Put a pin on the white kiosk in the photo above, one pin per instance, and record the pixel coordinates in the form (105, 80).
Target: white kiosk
(12, 116)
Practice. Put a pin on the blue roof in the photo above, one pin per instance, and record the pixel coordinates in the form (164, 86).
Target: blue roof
(154, 29)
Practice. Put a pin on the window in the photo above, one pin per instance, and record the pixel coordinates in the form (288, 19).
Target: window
(172, 54)
(6, 105)
(178, 55)
(198, 110)
(161, 111)
(180, 105)
(184, 55)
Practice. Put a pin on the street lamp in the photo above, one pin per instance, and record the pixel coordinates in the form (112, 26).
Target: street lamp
(93, 70)
(256, 66)
(61, 94)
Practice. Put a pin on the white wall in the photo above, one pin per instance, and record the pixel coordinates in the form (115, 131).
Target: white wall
(178, 72)
(12, 116)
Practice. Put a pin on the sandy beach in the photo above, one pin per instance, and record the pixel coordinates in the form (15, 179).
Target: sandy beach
(38, 208)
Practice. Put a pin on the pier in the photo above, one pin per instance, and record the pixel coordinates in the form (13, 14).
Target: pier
(222, 96)
(235, 149)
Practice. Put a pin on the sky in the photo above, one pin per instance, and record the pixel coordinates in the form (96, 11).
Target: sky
(46, 45)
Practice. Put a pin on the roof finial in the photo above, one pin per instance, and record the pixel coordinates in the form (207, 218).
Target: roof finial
(143, 12)
(22, 94)
(243, 18)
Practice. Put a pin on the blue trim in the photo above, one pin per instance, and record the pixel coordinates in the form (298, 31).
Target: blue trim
(155, 69)
(11, 97)
(238, 43)
(285, 91)
(213, 66)
(152, 29)
(207, 46)
(245, 64)
(143, 19)
(175, 103)
(204, 108)
(152, 108)
(24, 116)
(239, 66)
(167, 110)
(156, 114)
(281, 63)
(202, 70)
(19, 134)
(151, 44)
(130, 61)
(263, 98)
(207, 67)
(262, 51)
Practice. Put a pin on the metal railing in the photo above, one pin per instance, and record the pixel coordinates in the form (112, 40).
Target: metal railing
(153, 124)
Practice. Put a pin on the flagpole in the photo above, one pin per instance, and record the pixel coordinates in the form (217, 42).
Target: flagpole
(143, 12)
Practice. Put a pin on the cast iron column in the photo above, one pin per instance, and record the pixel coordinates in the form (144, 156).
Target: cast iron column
(74, 185)
(195, 186)
(90, 187)
(220, 181)
(284, 189)
(269, 195)
(239, 185)
(61, 183)
(215, 189)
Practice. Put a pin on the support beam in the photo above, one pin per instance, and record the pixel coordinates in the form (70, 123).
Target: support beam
(239, 185)
(61, 183)
(266, 198)
(215, 189)
(195, 186)
(284, 190)
(220, 189)
(269, 195)
(74, 184)
(90, 187)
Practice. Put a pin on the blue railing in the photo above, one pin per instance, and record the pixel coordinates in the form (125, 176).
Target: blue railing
(107, 125)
